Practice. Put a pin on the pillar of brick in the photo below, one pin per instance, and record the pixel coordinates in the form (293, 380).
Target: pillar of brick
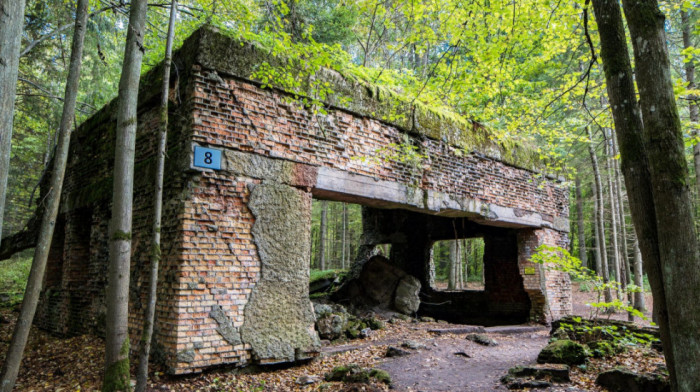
(549, 290)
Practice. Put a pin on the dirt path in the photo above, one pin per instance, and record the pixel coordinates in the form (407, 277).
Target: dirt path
(441, 365)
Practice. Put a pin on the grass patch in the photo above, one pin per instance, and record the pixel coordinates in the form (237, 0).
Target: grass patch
(325, 274)
(13, 277)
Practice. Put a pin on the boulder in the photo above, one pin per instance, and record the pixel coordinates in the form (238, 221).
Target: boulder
(563, 351)
(382, 285)
(406, 299)
(624, 380)
(331, 321)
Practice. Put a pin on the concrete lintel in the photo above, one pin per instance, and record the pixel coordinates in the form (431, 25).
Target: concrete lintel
(344, 186)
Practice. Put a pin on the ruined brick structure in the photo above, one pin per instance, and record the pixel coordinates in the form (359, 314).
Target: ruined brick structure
(234, 277)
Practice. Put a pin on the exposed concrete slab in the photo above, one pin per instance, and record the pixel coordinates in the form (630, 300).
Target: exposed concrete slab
(349, 187)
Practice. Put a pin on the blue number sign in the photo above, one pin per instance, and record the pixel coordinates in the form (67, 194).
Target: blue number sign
(207, 157)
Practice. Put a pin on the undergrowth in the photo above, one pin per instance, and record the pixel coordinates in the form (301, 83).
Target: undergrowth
(13, 277)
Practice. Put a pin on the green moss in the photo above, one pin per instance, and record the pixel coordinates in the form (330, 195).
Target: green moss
(602, 348)
(563, 351)
(119, 235)
(381, 376)
(117, 377)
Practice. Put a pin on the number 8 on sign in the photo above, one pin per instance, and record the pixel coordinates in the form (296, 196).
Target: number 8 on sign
(207, 158)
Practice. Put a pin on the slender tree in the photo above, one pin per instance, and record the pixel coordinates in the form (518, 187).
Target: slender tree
(322, 235)
(601, 253)
(613, 209)
(150, 314)
(345, 235)
(452, 265)
(639, 302)
(48, 220)
(11, 18)
(581, 227)
(116, 377)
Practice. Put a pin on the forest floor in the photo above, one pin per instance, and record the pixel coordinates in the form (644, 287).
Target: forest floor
(446, 362)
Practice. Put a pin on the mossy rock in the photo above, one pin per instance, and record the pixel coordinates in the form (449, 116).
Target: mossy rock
(339, 372)
(355, 374)
(603, 348)
(380, 375)
(563, 351)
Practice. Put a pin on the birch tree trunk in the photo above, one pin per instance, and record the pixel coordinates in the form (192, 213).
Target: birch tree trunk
(116, 377)
(48, 219)
(613, 211)
(638, 279)
(624, 250)
(322, 236)
(149, 316)
(345, 235)
(580, 224)
(452, 268)
(678, 243)
(601, 253)
(11, 22)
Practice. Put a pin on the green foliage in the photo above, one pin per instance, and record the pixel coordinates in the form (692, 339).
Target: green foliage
(13, 277)
(559, 259)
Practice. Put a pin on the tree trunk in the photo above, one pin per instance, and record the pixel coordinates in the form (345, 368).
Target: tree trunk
(692, 105)
(601, 253)
(638, 279)
(322, 235)
(625, 260)
(613, 212)
(678, 243)
(149, 316)
(452, 267)
(116, 376)
(345, 235)
(11, 22)
(580, 224)
(634, 158)
(48, 219)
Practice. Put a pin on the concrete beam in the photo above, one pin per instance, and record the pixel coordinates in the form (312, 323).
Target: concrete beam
(334, 184)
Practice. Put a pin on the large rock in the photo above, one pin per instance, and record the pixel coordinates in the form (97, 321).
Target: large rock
(383, 285)
(406, 299)
(563, 351)
(331, 320)
(624, 380)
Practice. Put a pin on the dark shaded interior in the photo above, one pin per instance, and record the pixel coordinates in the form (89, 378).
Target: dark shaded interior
(412, 234)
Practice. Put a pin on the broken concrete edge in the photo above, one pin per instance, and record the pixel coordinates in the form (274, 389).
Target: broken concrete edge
(278, 317)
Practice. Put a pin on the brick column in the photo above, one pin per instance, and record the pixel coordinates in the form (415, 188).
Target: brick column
(549, 290)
